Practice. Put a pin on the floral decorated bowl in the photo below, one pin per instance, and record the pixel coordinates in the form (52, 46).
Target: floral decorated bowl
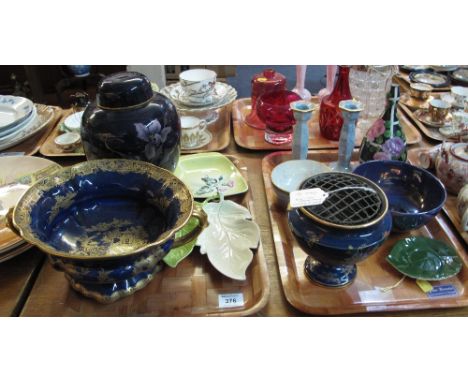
(106, 223)
(346, 228)
(415, 195)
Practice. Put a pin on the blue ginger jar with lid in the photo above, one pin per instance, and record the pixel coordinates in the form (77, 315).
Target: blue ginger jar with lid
(128, 120)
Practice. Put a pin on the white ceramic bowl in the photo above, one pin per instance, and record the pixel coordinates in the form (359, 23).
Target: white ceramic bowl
(67, 141)
(289, 175)
(73, 122)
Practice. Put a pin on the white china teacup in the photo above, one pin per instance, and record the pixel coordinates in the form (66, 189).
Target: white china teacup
(459, 94)
(198, 85)
(192, 131)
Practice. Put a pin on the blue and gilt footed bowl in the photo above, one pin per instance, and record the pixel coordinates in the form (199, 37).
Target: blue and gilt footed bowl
(346, 228)
(107, 223)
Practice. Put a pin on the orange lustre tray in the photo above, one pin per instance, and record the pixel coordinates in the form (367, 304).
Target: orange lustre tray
(191, 289)
(450, 206)
(32, 145)
(253, 139)
(374, 273)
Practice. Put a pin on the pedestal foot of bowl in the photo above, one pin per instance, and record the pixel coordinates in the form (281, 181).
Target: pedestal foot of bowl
(329, 275)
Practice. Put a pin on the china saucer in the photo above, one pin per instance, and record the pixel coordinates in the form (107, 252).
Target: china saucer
(451, 133)
(414, 103)
(206, 138)
(224, 94)
(434, 79)
(177, 93)
(425, 117)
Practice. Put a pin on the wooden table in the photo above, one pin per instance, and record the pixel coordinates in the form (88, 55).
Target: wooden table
(16, 276)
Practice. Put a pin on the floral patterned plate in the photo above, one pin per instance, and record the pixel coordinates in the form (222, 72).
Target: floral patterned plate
(207, 174)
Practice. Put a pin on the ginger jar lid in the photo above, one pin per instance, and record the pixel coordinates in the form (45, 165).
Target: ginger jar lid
(124, 90)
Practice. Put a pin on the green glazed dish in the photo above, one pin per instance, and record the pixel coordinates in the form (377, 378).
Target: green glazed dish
(208, 174)
(423, 258)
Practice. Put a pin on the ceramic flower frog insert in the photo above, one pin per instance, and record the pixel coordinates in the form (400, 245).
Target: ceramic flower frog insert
(229, 238)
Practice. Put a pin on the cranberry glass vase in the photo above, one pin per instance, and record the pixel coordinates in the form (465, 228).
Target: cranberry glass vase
(275, 111)
(330, 119)
(266, 82)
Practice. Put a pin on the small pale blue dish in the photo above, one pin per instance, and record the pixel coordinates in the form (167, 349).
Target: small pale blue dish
(288, 176)
(107, 223)
(415, 196)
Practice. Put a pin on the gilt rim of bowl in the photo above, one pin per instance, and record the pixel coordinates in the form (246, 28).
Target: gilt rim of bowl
(21, 211)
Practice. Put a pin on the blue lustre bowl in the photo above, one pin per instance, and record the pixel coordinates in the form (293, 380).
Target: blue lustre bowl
(349, 226)
(107, 223)
(415, 196)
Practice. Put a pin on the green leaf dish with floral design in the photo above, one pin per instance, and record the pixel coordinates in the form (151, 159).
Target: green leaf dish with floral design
(423, 258)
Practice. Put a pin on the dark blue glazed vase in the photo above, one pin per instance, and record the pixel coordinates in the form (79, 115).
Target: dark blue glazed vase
(344, 230)
(128, 120)
(107, 224)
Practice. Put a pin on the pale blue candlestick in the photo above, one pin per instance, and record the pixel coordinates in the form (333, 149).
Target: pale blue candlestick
(350, 110)
(302, 113)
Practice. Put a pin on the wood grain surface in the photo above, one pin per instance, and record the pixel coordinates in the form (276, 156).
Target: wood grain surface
(16, 279)
(374, 273)
(253, 139)
(277, 305)
(191, 289)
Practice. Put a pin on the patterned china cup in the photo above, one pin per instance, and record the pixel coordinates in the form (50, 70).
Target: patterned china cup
(438, 110)
(459, 94)
(192, 131)
(198, 85)
(420, 91)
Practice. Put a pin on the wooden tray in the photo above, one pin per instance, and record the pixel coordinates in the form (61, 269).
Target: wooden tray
(50, 149)
(253, 139)
(32, 145)
(191, 289)
(364, 294)
(220, 130)
(450, 206)
(428, 131)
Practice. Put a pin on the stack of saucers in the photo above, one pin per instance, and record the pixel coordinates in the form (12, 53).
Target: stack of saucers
(16, 176)
(19, 120)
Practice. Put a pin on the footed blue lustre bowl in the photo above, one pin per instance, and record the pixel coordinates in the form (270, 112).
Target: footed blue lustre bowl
(349, 226)
(107, 223)
(415, 196)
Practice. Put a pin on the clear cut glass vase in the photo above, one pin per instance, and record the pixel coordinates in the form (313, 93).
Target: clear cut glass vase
(369, 85)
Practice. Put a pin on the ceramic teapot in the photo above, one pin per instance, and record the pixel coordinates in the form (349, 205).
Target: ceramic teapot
(451, 165)
(128, 120)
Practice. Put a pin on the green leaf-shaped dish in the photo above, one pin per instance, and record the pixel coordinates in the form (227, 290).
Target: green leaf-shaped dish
(423, 258)
(177, 254)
